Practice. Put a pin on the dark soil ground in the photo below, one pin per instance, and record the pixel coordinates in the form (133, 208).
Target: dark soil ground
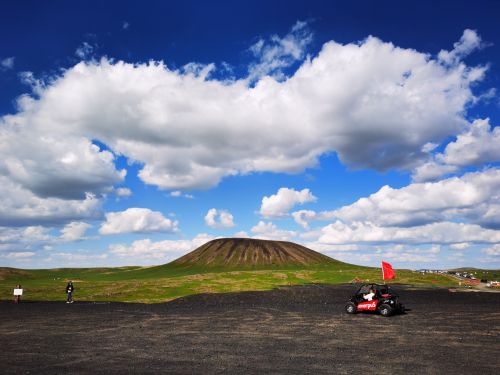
(295, 330)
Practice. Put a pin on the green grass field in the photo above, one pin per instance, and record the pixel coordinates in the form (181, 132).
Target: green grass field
(167, 282)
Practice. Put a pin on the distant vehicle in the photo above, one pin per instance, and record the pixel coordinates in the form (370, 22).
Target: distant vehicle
(385, 301)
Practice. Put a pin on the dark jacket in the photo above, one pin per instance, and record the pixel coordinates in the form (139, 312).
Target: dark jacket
(70, 288)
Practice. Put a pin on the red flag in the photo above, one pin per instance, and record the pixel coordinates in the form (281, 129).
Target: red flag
(387, 271)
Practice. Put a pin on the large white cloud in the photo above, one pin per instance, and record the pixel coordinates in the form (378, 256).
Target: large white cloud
(52, 165)
(375, 104)
(20, 207)
(278, 205)
(219, 218)
(137, 220)
(479, 144)
(473, 197)
(436, 233)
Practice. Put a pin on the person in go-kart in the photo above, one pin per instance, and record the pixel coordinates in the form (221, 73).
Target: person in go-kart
(370, 295)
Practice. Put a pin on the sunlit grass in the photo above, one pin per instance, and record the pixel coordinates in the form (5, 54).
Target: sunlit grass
(164, 283)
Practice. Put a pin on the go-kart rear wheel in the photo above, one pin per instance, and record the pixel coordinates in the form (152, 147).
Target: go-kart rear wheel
(385, 310)
(350, 308)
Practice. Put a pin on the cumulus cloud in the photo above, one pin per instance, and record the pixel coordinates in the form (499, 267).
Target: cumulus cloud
(269, 231)
(278, 53)
(279, 204)
(478, 145)
(137, 220)
(436, 233)
(474, 197)
(143, 250)
(20, 207)
(29, 239)
(36, 238)
(374, 104)
(74, 231)
(7, 63)
(49, 165)
(219, 218)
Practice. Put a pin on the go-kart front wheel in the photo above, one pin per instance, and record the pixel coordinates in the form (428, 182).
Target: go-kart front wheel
(350, 308)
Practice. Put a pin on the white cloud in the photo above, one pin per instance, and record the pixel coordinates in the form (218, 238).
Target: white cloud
(125, 25)
(493, 250)
(469, 42)
(374, 104)
(7, 63)
(74, 231)
(432, 171)
(331, 248)
(241, 234)
(219, 218)
(19, 255)
(277, 53)
(278, 205)
(20, 207)
(54, 165)
(412, 256)
(474, 197)
(178, 194)
(137, 220)
(436, 233)
(123, 192)
(85, 50)
(477, 145)
(303, 217)
(146, 249)
(269, 231)
(460, 246)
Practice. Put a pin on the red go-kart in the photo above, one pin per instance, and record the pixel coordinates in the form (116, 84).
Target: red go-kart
(385, 300)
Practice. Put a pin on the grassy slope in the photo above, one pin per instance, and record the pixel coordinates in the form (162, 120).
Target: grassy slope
(481, 274)
(163, 283)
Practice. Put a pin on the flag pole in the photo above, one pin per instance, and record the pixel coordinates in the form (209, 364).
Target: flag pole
(383, 278)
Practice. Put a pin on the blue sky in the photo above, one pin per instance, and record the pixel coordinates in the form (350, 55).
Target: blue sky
(131, 133)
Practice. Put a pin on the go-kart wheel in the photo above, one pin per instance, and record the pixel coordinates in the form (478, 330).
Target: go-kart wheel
(350, 308)
(385, 310)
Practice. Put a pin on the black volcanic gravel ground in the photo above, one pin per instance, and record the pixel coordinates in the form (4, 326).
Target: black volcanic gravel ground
(295, 330)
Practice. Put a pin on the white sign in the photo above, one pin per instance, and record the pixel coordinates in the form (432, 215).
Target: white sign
(18, 292)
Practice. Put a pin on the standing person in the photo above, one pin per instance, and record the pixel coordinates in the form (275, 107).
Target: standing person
(69, 291)
(18, 291)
